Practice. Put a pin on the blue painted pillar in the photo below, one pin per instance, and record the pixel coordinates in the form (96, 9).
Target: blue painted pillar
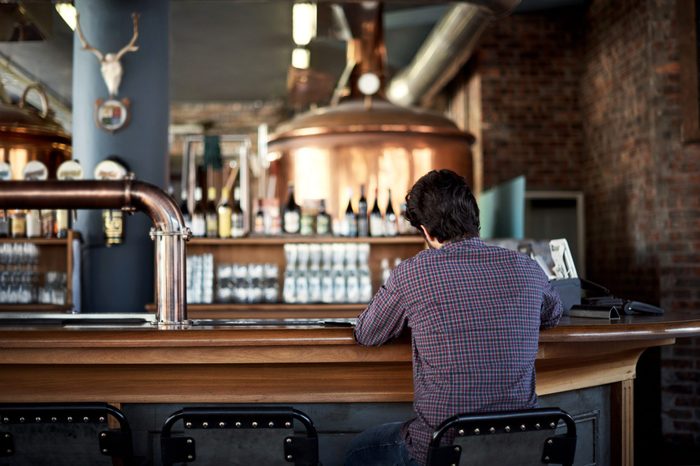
(120, 279)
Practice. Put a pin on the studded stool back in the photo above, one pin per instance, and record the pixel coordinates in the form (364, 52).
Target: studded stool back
(557, 449)
(58, 418)
(301, 450)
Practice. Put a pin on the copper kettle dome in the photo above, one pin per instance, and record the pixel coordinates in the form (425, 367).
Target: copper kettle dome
(28, 134)
(362, 139)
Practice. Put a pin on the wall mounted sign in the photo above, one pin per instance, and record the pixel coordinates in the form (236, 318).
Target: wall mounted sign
(111, 114)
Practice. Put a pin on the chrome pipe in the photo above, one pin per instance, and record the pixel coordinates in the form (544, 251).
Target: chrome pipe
(169, 231)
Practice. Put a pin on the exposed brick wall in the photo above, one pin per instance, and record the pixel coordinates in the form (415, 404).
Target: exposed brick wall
(529, 66)
(589, 99)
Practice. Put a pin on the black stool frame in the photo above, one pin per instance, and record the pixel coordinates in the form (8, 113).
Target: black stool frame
(116, 444)
(558, 449)
(300, 450)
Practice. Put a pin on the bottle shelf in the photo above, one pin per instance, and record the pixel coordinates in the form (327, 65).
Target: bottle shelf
(269, 310)
(34, 307)
(271, 307)
(279, 240)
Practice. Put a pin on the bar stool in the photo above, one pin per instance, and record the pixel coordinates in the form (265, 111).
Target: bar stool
(558, 449)
(114, 443)
(299, 450)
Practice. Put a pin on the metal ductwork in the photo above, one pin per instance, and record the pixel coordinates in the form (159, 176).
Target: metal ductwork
(447, 48)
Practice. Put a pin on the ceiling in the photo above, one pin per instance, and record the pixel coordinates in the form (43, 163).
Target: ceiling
(228, 50)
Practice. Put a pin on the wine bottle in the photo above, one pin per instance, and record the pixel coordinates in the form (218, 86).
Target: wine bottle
(185, 209)
(362, 226)
(199, 223)
(210, 215)
(350, 220)
(323, 220)
(63, 223)
(376, 222)
(224, 212)
(292, 214)
(391, 226)
(237, 215)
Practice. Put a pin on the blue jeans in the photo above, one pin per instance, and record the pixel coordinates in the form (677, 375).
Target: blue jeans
(380, 446)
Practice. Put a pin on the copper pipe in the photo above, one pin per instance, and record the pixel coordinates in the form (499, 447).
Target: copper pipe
(168, 230)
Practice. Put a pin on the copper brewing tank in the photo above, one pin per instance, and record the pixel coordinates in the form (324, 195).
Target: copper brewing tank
(365, 140)
(27, 134)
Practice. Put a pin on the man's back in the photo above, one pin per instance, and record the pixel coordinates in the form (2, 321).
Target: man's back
(475, 312)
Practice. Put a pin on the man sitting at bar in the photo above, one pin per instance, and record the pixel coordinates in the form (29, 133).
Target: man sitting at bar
(475, 312)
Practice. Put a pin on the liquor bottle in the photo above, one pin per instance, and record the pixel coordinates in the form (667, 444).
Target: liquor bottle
(5, 227)
(19, 224)
(292, 214)
(362, 226)
(62, 223)
(210, 214)
(323, 220)
(237, 215)
(350, 220)
(259, 223)
(391, 226)
(376, 222)
(224, 212)
(185, 209)
(33, 224)
(48, 223)
(199, 223)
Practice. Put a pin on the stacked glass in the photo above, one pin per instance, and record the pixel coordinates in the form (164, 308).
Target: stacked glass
(327, 273)
(200, 279)
(247, 283)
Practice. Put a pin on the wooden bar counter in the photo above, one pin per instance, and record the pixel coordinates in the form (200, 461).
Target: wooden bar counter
(301, 364)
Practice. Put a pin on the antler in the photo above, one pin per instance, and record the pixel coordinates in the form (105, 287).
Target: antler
(130, 47)
(86, 46)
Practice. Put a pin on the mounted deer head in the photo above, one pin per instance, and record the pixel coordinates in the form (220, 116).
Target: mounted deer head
(110, 66)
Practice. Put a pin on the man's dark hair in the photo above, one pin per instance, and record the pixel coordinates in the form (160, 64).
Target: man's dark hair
(443, 203)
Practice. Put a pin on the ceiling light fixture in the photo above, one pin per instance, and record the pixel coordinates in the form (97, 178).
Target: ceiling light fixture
(303, 23)
(301, 58)
(68, 13)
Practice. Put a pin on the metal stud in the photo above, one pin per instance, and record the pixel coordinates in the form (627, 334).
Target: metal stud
(492, 430)
(21, 419)
(222, 424)
(460, 432)
(550, 442)
(188, 425)
(271, 424)
(477, 431)
(205, 424)
(507, 429)
(101, 419)
(552, 425)
(189, 441)
(289, 457)
(6, 419)
(238, 424)
(69, 419)
(86, 419)
(104, 450)
(103, 434)
(254, 424)
(537, 426)
(288, 440)
(190, 457)
(458, 449)
(9, 450)
(7, 435)
(37, 419)
(522, 427)
(53, 419)
(287, 424)
(546, 459)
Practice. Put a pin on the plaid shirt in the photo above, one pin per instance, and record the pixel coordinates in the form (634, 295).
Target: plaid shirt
(475, 312)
